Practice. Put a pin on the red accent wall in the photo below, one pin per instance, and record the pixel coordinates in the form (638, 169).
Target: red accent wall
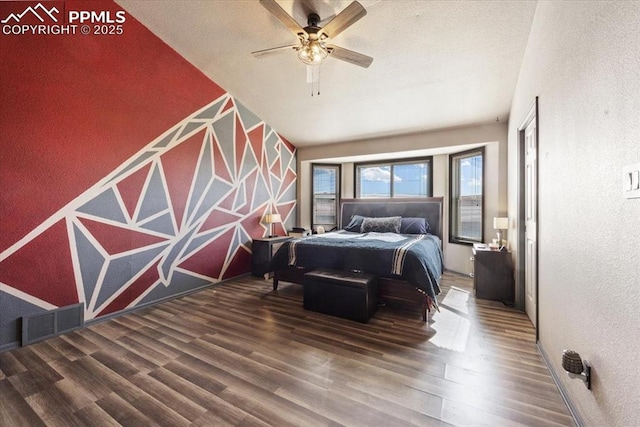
(127, 176)
(74, 107)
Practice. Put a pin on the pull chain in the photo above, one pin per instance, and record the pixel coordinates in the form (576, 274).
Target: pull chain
(313, 76)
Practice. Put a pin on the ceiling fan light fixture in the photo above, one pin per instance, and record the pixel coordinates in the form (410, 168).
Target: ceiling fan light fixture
(312, 47)
(313, 52)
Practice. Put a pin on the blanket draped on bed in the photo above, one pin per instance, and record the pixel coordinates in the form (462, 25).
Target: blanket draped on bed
(416, 258)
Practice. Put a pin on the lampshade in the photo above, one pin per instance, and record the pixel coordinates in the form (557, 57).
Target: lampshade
(500, 223)
(272, 218)
(312, 52)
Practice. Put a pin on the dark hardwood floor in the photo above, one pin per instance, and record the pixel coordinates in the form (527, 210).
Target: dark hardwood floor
(242, 354)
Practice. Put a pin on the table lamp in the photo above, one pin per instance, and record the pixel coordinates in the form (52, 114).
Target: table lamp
(272, 219)
(499, 224)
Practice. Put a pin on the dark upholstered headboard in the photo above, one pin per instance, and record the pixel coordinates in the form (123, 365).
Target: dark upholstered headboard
(429, 208)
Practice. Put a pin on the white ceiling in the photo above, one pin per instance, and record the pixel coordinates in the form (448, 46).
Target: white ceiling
(437, 64)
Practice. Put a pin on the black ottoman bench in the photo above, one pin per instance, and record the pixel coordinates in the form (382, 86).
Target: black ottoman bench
(345, 294)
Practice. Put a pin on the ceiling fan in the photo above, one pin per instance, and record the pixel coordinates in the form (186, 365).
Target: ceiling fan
(312, 44)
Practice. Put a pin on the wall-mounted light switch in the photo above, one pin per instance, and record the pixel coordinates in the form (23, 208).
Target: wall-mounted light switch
(631, 181)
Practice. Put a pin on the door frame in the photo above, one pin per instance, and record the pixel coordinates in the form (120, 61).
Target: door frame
(532, 114)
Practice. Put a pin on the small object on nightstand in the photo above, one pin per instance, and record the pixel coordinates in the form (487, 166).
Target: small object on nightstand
(299, 232)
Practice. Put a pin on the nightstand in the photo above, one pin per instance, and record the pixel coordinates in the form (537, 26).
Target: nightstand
(493, 274)
(263, 249)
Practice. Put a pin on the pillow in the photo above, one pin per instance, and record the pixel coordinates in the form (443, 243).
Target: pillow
(390, 224)
(354, 224)
(414, 226)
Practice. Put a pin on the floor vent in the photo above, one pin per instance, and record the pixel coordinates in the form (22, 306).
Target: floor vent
(55, 322)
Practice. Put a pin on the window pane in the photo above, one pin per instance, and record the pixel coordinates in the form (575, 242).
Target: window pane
(402, 178)
(470, 225)
(324, 180)
(325, 195)
(466, 197)
(410, 180)
(375, 181)
(471, 198)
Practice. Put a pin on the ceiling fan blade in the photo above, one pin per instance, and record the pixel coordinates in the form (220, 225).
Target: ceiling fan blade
(277, 11)
(350, 56)
(344, 19)
(264, 52)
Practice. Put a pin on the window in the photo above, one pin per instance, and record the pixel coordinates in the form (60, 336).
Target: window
(325, 182)
(466, 197)
(403, 178)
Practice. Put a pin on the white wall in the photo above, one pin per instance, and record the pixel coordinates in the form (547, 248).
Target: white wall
(493, 136)
(583, 61)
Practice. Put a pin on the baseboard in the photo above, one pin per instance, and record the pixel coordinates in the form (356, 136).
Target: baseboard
(160, 301)
(563, 391)
(9, 346)
(457, 273)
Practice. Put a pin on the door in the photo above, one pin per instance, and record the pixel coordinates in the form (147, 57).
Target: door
(531, 219)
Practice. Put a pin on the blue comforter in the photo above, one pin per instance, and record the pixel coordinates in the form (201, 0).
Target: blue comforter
(416, 258)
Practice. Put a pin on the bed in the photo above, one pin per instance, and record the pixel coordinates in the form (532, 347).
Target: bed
(408, 264)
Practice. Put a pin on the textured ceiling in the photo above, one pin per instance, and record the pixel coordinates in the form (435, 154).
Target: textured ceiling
(437, 64)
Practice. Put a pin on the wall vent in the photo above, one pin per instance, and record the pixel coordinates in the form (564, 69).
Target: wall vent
(52, 323)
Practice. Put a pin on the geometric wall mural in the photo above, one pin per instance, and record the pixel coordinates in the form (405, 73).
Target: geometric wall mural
(178, 215)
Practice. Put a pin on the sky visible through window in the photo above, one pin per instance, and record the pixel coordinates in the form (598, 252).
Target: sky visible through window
(409, 179)
(324, 181)
(471, 176)
(400, 179)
